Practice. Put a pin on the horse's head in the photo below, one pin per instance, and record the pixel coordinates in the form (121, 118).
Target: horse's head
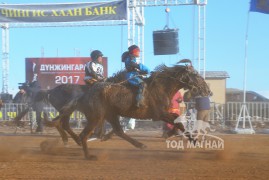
(194, 82)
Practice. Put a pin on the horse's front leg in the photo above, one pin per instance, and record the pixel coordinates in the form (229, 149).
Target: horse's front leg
(86, 133)
(117, 129)
(169, 118)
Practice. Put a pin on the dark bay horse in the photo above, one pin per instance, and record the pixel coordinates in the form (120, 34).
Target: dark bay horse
(58, 97)
(107, 101)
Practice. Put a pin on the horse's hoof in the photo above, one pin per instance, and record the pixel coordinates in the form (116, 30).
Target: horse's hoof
(66, 144)
(105, 138)
(79, 143)
(143, 146)
(192, 141)
(44, 146)
(91, 157)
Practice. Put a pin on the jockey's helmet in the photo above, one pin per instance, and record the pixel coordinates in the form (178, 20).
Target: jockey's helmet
(134, 50)
(124, 56)
(95, 54)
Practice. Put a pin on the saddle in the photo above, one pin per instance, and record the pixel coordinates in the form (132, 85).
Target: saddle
(90, 81)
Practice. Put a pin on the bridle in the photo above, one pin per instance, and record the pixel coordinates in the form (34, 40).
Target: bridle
(193, 86)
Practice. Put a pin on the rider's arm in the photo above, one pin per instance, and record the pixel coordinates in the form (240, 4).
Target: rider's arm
(143, 69)
(134, 64)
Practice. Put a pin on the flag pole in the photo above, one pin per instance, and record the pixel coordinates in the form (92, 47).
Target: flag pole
(243, 115)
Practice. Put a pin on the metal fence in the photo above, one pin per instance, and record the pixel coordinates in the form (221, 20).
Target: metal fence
(219, 112)
(10, 110)
(256, 110)
(231, 111)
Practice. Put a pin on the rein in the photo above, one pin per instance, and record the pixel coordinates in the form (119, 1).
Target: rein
(192, 84)
(128, 79)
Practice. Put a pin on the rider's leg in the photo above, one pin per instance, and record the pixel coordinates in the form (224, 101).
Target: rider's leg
(140, 94)
(136, 81)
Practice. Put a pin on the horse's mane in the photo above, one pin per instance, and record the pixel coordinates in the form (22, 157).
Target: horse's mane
(118, 77)
(160, 72)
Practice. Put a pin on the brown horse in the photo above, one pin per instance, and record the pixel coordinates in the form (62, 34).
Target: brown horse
(107, 101)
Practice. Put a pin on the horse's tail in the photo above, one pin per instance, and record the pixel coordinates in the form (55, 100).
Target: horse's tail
(53, 123)
(66, 110)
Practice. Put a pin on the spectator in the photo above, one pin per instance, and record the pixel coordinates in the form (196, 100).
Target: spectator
(22, 101)
(21, 97)
(26, 97)
(202, 105)
(168, 129)
(34, 88)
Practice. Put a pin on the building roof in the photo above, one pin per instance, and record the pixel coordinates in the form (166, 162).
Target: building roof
(233, 90)
(250, 95)
(216, 75)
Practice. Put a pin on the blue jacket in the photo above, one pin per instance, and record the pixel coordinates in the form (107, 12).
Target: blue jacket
(134, 69)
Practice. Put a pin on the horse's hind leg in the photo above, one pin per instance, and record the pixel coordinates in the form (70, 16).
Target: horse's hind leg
(66, 126)
(57, 123)
(117, 129)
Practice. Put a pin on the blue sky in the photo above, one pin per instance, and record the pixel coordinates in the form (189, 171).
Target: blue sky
(226, 27)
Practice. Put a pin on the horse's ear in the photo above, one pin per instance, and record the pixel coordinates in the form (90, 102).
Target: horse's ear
(189, 68)
(185, 61)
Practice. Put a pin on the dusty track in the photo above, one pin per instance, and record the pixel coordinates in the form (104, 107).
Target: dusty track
(244, 157)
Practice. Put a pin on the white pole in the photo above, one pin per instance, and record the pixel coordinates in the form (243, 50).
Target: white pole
(245, 73)
(243, 111)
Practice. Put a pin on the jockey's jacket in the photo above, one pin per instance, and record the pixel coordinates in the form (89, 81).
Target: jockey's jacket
(94, 70)
(174, 106)
(134, 69)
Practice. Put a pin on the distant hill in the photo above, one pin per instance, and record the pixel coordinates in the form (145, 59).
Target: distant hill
(236, 95)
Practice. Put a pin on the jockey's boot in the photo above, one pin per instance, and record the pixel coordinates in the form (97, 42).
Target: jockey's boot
(140, 95)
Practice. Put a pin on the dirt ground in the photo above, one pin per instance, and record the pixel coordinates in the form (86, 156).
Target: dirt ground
(243, 157)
